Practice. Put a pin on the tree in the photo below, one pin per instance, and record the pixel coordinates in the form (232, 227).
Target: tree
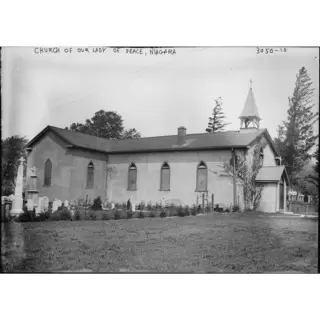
(216, 122)
(105, 124)
(295, 135)
(246, 174)
(314, 177)
(12, 150)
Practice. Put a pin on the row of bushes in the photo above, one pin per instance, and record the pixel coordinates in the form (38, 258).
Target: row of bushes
(117, 214)
(121, 211)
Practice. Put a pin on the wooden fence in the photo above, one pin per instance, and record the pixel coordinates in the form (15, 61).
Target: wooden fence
(302, 207)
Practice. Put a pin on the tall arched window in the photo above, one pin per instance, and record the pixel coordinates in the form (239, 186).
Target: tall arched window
(261, 155)
(47, 173)
(132, 177)
(202, 177)
(90, 175)
(165, 177)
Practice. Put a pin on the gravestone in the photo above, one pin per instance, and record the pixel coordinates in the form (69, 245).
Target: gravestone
(133, 207)
(56, 204)
(45, 204)
(162, 202)
(30, 205)
(38, 210)
(17, 205)
(112, 205)
(66, 203)
(40, 199)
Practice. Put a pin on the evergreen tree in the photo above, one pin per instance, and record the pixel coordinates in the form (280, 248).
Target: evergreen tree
(216, 122)
(314, 177)
(295, 135)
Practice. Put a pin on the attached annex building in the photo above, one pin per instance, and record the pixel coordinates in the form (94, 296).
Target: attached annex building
(179, 168)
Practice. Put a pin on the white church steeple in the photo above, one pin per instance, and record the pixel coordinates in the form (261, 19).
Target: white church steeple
(249, 118)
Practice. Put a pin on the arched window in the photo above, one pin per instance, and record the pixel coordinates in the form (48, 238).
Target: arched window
(90, 175)
(47, 173)
(202, 177)
(165, 177)
(132, 177)
(261, 155)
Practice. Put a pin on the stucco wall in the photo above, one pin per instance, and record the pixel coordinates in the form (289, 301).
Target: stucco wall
(268, 154)
(269, 157)
(268, 198)
(69, 173)
(183, 168)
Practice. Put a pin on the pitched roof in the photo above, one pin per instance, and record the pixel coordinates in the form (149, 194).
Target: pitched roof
(250, 107)
(272, 174)
(198, 141)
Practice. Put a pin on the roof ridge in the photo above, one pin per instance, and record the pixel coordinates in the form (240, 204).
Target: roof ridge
(152, 137)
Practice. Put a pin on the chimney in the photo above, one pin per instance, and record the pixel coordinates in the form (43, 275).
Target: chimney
(181, 135)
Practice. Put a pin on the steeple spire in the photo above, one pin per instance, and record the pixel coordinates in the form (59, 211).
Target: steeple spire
(250, 116)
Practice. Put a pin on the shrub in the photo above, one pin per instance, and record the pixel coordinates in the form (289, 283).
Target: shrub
(149, 206)
(180, 211)
(97, 204)
(186, 211)
(105, 216)
(64, 214)
(235, 208)
(199, 209)
(26, 217)
(173, 210)
(141, 205)
(194, 210)
(129, 214)
(208, 207)
(60, 214)
(163, 214)
(48, 213)
(152, 213)
(141, 215)
(117, 215)
(92, 215)
(77, 215)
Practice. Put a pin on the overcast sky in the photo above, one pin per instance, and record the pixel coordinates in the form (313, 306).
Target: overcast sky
(154, 94)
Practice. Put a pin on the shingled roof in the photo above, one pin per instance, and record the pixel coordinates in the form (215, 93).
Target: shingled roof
(199, 141)
(250, 108)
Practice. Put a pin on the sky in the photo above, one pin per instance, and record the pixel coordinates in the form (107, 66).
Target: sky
(153, 94)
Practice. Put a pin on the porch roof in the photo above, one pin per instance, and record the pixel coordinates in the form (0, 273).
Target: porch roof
(272, 174)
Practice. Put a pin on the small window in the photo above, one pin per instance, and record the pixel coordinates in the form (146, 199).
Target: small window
(47, 173)
(202, 177)
(165, 177)
(132, 177)
(90, 176)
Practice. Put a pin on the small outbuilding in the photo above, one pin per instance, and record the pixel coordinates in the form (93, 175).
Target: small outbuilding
(275, 182)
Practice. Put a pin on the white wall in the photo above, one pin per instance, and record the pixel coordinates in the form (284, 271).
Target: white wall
(268, 201)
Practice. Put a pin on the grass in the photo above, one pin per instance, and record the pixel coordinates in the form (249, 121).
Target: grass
(232, 243)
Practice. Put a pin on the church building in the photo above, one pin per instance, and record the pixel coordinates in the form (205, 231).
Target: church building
(184, 168)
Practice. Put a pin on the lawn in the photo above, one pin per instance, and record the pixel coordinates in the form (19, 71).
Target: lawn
(227, 243)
